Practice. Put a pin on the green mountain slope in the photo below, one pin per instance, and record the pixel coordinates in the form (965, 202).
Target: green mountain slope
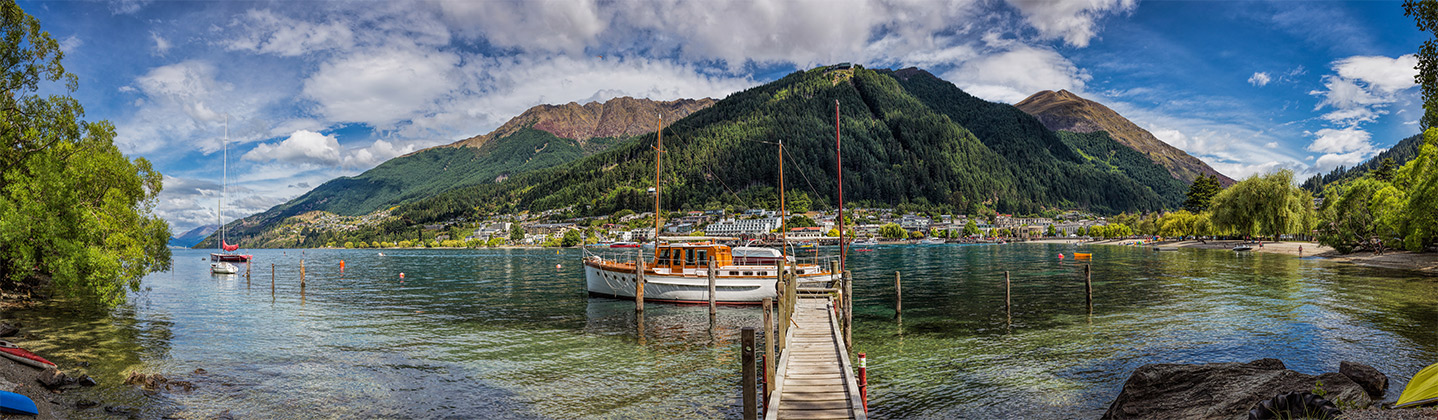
(1401, 153)
(908, 137)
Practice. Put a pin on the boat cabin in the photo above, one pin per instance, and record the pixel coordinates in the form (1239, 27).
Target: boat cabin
(677, 257)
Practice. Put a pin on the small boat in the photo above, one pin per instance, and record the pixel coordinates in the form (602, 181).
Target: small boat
(1421, 390)
(624, 245)
(10, 350)
(868, 242)
(934, 241)
(12, 403)
(1243, 247)
(1083, 256)
(220, 261)
(221, 267)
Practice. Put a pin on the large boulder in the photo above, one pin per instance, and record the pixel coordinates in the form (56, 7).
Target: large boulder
(1220, 390)
(1373, 381)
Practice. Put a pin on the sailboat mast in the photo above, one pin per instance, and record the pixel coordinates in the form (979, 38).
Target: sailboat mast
(783, 214)
(839, 152)
(659, 148)
(224, 179)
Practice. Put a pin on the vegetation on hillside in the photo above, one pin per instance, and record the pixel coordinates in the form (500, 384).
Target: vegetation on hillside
(75, 213)
(1378, 210)
(1397, 155)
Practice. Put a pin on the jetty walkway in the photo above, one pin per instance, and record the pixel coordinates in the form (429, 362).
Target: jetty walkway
(813, 378)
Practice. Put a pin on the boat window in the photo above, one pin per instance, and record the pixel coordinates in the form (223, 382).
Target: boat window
(678, 259)
(733, 273)
(663, 256)
(703, 257)
(689, 257)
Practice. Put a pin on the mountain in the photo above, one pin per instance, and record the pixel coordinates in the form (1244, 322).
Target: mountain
(1065, 111)
(909, 138)
(541, 137)
(193, 236)
(1402, 152)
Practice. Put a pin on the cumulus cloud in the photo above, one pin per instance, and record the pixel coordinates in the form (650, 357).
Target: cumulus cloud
(1259, 79)
(1016, 72)
(162, 45)
(177, 106)
(302, 147)
(1364, 86)
(70, 44)
(1341, 147)
(382, 86)
(376, 153)
(1076, 22)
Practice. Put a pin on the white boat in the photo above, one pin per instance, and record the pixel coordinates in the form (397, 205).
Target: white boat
(867, 242)
(1243, 247)
(220, 261)
(680, 274)
(934, 241)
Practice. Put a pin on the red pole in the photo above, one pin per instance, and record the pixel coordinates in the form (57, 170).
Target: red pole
(864, 381)
(839, 152)
(764, 380)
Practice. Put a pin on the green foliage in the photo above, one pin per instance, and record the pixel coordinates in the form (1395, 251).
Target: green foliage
(1109, 155)
(73, 209)
(893, 231)
(1400, 154)
(1051, 231)
(1265, 205)
(1180, 224)
(571, 238)
(1201, 192)
(799, 221)
(1425, 15)
(1112, 230)
(516, 232)
(1419, 180)
(1348, 219)
(971, 228)
(1385, 171)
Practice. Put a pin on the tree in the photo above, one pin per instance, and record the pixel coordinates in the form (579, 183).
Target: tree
(1385, 170)
(516, 233)
(799, 221)
(971, 228)
(1425, 14)
(73, 209)
(1051, 231)
(571, 238)
(1081, 231)
(1265, 205)
(893, 231)
(1201, 192)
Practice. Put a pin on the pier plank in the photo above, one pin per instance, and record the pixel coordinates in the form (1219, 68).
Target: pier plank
(815, 383)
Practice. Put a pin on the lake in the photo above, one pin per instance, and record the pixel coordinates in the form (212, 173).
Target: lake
(511, 333)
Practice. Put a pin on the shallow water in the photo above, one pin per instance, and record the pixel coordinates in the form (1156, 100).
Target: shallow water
(507, 334)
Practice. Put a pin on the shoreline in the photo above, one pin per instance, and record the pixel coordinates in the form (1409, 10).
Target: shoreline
(1423, 263)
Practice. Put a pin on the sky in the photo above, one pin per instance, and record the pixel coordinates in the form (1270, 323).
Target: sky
(313, 90)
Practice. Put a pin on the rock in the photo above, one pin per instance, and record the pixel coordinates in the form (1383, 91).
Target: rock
(7, 330)
(86, 380)
(177, 385)
(1373, 381)
(149, 382)
(1221, 390)
(52, 378)
(200, 371)
(86, 404)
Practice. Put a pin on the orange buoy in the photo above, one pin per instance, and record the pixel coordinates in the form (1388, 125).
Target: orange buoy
(558, 266)
(401, 275)
(342, 266)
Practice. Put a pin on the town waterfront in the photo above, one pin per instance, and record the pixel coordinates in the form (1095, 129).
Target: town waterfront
(510, 333)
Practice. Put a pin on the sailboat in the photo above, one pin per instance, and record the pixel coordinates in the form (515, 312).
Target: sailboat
(220, 261)
(680, 272)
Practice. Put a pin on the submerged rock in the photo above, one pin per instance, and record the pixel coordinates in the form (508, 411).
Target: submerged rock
(53, 378)
(86, 380)
(7, 330)
(1373, 381)
(86, 404)
(1221, 390)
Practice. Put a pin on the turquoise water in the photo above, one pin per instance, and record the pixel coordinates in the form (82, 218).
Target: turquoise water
(509, 334)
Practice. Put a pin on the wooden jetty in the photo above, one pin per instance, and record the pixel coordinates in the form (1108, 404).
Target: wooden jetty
(813, 378)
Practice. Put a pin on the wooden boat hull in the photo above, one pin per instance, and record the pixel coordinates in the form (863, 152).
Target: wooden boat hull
(607, 279)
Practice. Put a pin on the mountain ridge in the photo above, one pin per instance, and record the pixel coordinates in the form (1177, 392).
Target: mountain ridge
(1066, 111)
(617, 117)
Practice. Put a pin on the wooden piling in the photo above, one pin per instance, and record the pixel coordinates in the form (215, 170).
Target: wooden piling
(712, 288)
(751, 405)
(1008, 292)
(898, 296)
(272, 279)
(783, 322)
(302, 275)
(247, 274)
(639, 285)
(848, 305)
(769, 360)
(1088, 283)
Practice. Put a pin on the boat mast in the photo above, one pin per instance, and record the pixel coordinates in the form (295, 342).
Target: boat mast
(839, 152)
(783, 214)
(659, 148)
(224, 180)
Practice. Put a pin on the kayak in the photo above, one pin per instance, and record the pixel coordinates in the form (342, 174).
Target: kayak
(1421, 390)
(1080, 255)
(12, 403)
(18, 354)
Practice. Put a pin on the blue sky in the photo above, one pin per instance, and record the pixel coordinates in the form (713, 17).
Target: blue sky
(315, 90)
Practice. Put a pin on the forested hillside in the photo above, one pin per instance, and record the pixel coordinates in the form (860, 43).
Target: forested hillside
(913, 139)
(1400, 153)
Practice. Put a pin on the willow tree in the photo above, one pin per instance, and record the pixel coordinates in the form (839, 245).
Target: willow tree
(1264, 205)
(75, 213)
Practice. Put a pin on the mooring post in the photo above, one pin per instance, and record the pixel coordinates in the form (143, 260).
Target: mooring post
(783, 289)
(1088, 282)
(639, 285)
(848, 310)
(864, 381)
(272, 279)
(302, 275)
(1008, 292)
(898, 296)
(768, 346)
(712, 288)
(247, 274)
(751, 406)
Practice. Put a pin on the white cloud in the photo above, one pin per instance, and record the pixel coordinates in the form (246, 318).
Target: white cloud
(1010, 76)
(1259, 79)
(1364, 87)
(176, 108)
(162, 45)
(1073, 21)
(1340, 141)
(269, 33)
(376, 153)
(70, 44)
(1386, 75)
(302, 147)
(382, 86)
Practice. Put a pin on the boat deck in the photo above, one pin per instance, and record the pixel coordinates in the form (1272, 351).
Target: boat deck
(814, 379)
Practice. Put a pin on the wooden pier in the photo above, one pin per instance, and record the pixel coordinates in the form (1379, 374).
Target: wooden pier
(814, 379)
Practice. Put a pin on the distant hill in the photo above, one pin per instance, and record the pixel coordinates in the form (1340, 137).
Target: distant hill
(1401, 153)
(909, 137)
(1065, 111)
(541, 137)
(193, 236)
